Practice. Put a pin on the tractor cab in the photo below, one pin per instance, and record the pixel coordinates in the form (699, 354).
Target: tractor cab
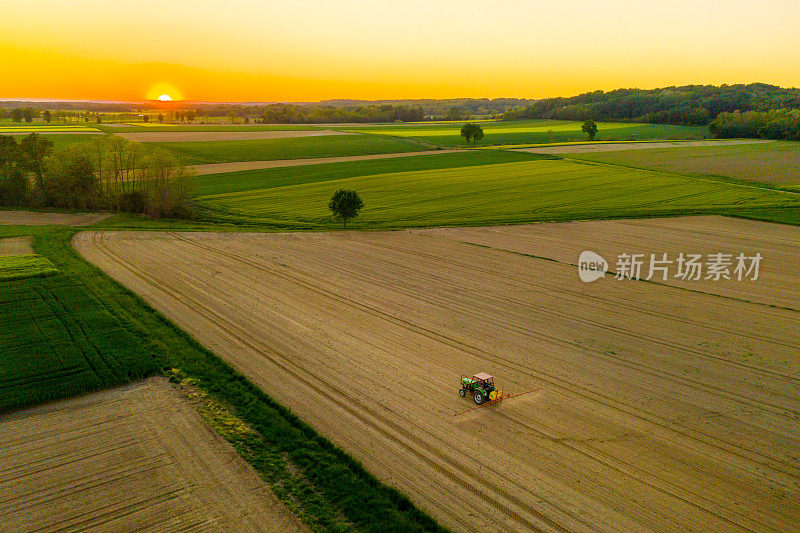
(480, 386)
(484, 380)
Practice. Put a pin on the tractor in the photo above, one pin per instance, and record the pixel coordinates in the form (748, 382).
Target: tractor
(481, 388)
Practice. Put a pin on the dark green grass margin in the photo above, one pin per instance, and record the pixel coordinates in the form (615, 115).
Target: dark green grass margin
(332, 490)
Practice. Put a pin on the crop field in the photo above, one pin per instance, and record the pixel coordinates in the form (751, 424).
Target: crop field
(59, 342)
(239, 166)
(16, 245)
(25, 266)
(45, 128)
(500, 193)
(535, 131)
(60, 140)
(155, 126)
(18, 259)
(34, 218)
(597, 147)
(135, 458)
(255, 180)
(559, 242)
(656, 407)
(200, 136)
(776, 163)
(200, 152)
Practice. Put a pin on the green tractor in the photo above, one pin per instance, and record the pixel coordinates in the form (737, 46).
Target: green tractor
(481, 388)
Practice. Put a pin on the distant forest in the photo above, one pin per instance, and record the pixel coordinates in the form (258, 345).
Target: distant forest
(691, 105)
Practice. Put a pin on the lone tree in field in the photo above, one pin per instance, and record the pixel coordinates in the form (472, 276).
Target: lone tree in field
(589, 128)
(345, 204)
(472, 131)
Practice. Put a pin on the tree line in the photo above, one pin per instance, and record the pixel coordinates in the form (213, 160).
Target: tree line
(687, 105)
(295, 114)
(107, 172)
(328, 111)
(781, 124)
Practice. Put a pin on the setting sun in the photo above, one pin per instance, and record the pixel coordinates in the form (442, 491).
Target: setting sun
(164, 92)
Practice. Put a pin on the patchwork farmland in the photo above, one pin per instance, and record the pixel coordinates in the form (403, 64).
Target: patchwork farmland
(655, 406)
(400, 267)
(650, 397)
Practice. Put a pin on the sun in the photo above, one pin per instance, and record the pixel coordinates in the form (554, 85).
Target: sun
(164, 92)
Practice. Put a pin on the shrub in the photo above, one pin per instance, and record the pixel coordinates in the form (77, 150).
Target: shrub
(72, 181)
(14, 186)
(131, 202)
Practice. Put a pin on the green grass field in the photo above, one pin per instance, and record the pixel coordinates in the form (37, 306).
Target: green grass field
(24, 127)
(497, 194)
(130, 128)
(535, 131)
(25, 266)
(776, 163)
(278, 177)
(59, 140)
(194, 153)
(57, 340)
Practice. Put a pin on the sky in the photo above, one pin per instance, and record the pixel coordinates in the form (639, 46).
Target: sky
(265, 50)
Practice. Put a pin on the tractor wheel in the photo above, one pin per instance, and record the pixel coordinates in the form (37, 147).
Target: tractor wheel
(463, 393)
(478, 398)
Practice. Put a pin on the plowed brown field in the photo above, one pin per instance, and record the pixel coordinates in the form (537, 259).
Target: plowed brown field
(660, 408)
(34, 218)
(138, 458)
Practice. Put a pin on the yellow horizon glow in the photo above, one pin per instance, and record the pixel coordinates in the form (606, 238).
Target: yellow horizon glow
(313, 50)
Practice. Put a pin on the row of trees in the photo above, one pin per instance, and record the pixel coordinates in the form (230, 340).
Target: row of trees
(328, 111)
(778, 124)
(105, 173)
(20, 113)
(29, 114)
(688, 105)
(295, 114)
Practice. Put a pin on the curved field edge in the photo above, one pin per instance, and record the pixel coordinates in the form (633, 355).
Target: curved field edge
(331, 491)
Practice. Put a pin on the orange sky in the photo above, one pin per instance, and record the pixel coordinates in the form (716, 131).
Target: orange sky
(250, 50)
